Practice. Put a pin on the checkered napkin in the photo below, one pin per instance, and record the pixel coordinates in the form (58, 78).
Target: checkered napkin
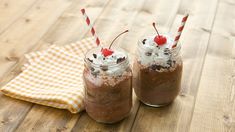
(52, 77)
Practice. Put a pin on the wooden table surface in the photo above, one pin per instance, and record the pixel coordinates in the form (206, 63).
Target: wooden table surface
(206, 102)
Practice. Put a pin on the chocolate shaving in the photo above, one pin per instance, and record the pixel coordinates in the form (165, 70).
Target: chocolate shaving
(92, 69)
(148, 53)
(166, 50)
(167, 67)
(166, 53)
(95, 56)
(104, 68)
(169, 62)
(89, 59)
(158, 67)
(95, 73)
(119, 60)
(144, 41)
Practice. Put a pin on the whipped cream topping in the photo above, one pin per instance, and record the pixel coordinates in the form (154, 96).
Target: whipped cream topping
(109, 64)
(151, 53)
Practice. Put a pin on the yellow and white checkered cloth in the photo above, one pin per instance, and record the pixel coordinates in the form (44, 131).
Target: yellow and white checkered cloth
(53, 77)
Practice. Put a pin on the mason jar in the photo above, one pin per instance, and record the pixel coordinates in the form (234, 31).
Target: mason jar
(158, 71)
(108, 87)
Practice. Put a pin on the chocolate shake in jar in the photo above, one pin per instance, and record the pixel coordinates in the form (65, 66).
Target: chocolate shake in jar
(108, 84)
(158, 70)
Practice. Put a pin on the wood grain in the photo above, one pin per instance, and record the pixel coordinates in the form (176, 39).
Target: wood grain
(12, 112)
(45, 119)
(17, 40)
(11, 10)
(214, 108)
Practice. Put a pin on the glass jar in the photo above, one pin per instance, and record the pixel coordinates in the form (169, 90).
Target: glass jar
(157, 73)
(108, 89)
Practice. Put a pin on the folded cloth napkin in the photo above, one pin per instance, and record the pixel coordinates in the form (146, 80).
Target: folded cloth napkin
(52, 77)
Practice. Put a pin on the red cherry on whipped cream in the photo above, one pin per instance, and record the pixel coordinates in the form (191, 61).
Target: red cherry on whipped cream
(159, 39)
(107, 51)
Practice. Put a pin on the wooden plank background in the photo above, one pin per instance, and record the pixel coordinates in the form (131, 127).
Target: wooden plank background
(206, 102)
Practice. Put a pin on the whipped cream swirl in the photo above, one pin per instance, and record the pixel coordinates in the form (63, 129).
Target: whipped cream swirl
(114, 64)
(150, 53)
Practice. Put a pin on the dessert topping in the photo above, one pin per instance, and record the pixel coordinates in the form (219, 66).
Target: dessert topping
(159, 39)
(106, 52)
(119, 60)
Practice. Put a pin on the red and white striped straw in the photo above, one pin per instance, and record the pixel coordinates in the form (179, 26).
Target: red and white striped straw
(97, 40)
(180, 29)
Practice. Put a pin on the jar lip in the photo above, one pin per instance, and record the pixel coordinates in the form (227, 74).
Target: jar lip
(126, 61)
(175, 49)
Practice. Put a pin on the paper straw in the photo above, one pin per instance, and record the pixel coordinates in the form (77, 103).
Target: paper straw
(97, 40)
(180, 29)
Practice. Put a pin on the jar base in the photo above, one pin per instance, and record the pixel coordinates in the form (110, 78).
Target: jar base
(103, 122)
(110, 122)
(157, 105)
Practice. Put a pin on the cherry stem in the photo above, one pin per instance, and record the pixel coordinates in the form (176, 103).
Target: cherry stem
(117, 37)
(154, 26)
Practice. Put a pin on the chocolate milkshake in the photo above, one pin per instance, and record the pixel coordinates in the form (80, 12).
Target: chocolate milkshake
(158, 69)
(108, 84)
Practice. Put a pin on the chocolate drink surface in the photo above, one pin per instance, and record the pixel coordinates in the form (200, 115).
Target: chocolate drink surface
(108, 86)
(158, 71)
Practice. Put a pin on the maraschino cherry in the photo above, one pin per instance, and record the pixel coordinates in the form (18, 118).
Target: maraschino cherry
(107, 51)
(159, 39)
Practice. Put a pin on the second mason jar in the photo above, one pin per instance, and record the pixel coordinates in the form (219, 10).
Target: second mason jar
(158, 70)
(108, 85)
